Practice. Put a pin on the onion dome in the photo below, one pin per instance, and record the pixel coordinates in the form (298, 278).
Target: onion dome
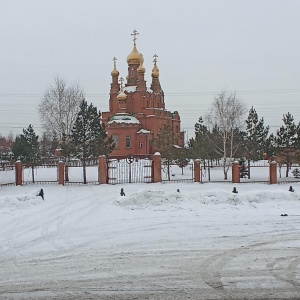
(134, 57)
(155, 70)
(121, 96)
(114, 72)
(141, 69)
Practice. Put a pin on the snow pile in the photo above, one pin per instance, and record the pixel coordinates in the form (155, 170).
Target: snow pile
(219, 196)
(146, 199)
(20, 200)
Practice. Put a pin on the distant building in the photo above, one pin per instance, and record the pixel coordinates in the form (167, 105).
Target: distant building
(137, 112)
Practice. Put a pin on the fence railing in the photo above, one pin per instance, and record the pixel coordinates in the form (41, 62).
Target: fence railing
(7, 175)
(39, 174)
(177, 174)
(131, 170)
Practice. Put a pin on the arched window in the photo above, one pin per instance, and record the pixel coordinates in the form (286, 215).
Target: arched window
(115, 138)
(128, 141)
(132, 73)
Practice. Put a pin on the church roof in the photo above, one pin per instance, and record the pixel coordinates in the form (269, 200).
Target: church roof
(123, 119)
(130, 89)
(144, 131)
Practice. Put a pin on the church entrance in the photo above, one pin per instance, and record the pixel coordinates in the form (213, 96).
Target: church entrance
(129, 170)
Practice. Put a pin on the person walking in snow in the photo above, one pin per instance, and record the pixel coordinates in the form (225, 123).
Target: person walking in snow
(41, 193)
(122, 192)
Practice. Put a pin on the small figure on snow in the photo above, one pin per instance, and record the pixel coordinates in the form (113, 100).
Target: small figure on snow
(178, 191)
(291, 189)
(122, 192)
(235, 190)
(41, 194)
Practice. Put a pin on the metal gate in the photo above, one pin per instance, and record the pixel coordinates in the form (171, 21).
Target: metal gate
(177, 174)
(129, 170)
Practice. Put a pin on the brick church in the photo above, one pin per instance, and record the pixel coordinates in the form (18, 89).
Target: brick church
(137, 112)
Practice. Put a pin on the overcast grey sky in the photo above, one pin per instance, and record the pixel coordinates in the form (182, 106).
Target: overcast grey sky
(203, 47)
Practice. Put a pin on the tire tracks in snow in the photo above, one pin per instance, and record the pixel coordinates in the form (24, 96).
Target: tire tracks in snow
(212, 269)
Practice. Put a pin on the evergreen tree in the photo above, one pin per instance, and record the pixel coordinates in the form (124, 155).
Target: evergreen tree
(287, 141)
(255, 136)
(164, 143)
(88, 137)
(200, 144)
(26, 148)
(269, 149)
(182, 158)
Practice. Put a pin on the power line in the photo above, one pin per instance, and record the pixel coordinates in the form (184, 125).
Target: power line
(174, 94)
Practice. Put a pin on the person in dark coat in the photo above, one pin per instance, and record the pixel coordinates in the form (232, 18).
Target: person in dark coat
(122, 192)
(41, 193)
(235, 190)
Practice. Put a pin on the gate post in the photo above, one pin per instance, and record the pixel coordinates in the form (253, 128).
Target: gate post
(235, 172)
(273, 172)
(18, 172)
(102, 167)
(156, 175)
(61, 173)
(197, 172)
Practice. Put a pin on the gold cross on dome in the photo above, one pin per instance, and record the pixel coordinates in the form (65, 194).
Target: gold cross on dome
(135, 33)
(115, 61)
(155, 58)
(121, 81)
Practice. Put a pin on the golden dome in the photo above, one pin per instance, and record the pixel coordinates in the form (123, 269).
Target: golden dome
(121, 96)
(141, 68)
(134, 57)
(114, 72)
(155, 72)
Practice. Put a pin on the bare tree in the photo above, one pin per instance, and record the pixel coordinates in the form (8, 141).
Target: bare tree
(59, 107)
(226, 116)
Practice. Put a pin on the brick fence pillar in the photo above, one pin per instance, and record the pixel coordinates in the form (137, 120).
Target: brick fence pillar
(18, 172)
(61, 173)
(235, 172)
(102, 169)
(156, 169)
(197, 172)
(273, 172)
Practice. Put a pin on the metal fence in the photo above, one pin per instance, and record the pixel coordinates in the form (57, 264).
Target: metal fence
(177, 174)
(130, 170)
(281, 173)
(74, 174)
(7, 174)
(40, 174)
(215, 174)
(139, 170)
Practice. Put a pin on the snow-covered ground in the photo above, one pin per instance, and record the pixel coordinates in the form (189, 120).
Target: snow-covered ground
(203, 242)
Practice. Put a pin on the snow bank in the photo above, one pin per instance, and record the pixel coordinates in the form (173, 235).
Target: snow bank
(20, 200)
(148, 199)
